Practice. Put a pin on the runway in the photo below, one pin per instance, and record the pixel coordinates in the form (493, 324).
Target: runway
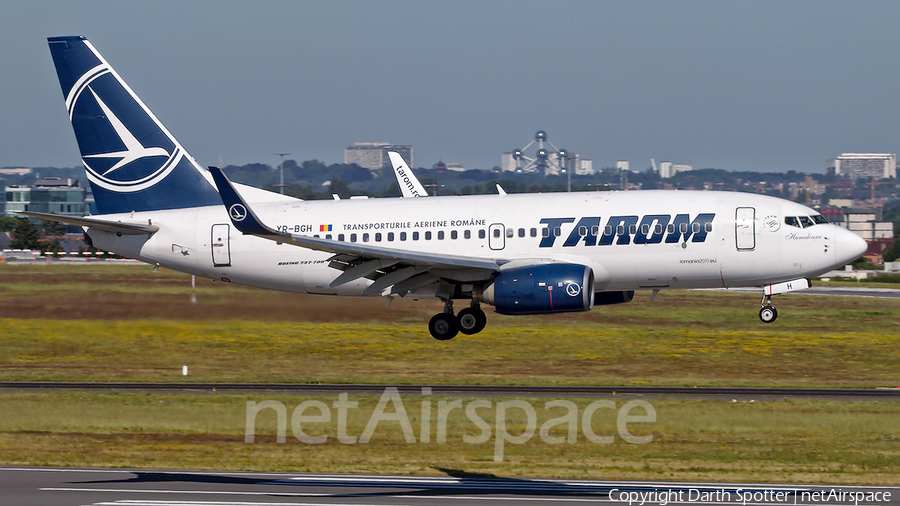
(466, 390)
(108, 487)
(840, 291)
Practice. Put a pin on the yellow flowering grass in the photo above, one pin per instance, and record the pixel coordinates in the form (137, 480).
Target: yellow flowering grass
(101, 323)
(839, 442)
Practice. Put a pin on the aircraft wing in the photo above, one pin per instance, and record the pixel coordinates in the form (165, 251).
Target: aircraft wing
(409, 184)
(400, 269)
(115, 227)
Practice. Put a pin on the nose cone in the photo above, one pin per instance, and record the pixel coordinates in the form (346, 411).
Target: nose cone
(848, 246)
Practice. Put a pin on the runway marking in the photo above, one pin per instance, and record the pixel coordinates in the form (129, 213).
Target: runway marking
(149, 502)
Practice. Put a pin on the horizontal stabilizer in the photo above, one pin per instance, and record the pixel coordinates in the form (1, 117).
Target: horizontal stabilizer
(115, 227)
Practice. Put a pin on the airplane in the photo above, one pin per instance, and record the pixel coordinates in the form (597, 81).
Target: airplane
(409, 183)
(520, 253)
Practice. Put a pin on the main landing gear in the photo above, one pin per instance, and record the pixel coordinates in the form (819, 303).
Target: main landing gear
(768, 313)
(445, 326)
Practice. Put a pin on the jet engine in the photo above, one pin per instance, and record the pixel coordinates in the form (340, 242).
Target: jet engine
(540, 289)
(608, 298)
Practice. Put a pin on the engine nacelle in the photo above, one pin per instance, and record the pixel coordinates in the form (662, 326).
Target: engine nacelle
(541, 289)
(608, 298)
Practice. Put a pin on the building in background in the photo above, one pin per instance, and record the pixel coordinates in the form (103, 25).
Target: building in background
(585, 167)
(547, 160)
(15, 171)
(669, 169)
(374, 155)
(48, 195)
(866, 222)
(867, 165)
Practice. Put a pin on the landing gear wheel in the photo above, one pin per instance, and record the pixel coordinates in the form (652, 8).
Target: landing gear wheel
(443, 326)
(471, 320)
(768, 314)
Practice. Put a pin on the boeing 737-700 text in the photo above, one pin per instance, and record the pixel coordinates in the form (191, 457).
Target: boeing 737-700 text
(522, 254)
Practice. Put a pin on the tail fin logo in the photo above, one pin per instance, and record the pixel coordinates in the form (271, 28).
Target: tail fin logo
(237, 212)
(125, 163)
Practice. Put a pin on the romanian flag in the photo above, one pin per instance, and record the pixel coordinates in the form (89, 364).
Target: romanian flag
(325, 228)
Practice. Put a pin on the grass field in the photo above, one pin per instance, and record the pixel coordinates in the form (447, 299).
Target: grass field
(778, 441)
(103, 323)
(128, 323)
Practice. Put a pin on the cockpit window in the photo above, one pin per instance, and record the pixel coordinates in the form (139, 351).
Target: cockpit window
(805, 221)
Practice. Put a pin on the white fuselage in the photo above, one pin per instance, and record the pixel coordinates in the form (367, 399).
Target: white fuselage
(747, 242)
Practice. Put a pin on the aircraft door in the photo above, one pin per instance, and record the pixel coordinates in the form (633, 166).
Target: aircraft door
(745, 228)
(497, 236)
(221, 245)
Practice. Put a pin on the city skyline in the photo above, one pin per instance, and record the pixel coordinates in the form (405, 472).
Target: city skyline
(745, 87)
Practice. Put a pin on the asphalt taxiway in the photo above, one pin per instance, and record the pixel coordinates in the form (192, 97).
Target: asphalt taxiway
(118, 487)
(742, 393)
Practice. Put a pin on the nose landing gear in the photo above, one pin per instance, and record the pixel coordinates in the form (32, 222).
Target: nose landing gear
(767, 314)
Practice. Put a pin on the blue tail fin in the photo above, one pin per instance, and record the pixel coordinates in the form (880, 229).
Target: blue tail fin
(132, 162)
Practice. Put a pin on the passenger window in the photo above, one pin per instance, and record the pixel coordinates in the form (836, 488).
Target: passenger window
(620, 230)
(595, 230)
(496, 232)
(467, 234)
(582, 231)
(316, 236)
(509, 232)
(632, 229)
(806, 221)
(453, 234)
(366, 237)
(533, 232)
(792, 221)
(481, 234)
(657, 229)
(390, 236)
(328, 236)
(557, 231)
(340, 237)
(415, 236)
(645, 228)
(683, 227)
(428, 235)
(402, 236)
(440, 235)
(545, 232)
(608, 230)
(378, 237)
(670, 228)
(695, 228)
(521, 232)
(708, 227)
(352, 237)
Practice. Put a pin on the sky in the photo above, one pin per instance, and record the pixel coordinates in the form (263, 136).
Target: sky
(763, 85)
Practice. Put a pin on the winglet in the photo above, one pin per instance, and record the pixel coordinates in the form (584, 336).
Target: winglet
(242, 217)
(409, 184)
